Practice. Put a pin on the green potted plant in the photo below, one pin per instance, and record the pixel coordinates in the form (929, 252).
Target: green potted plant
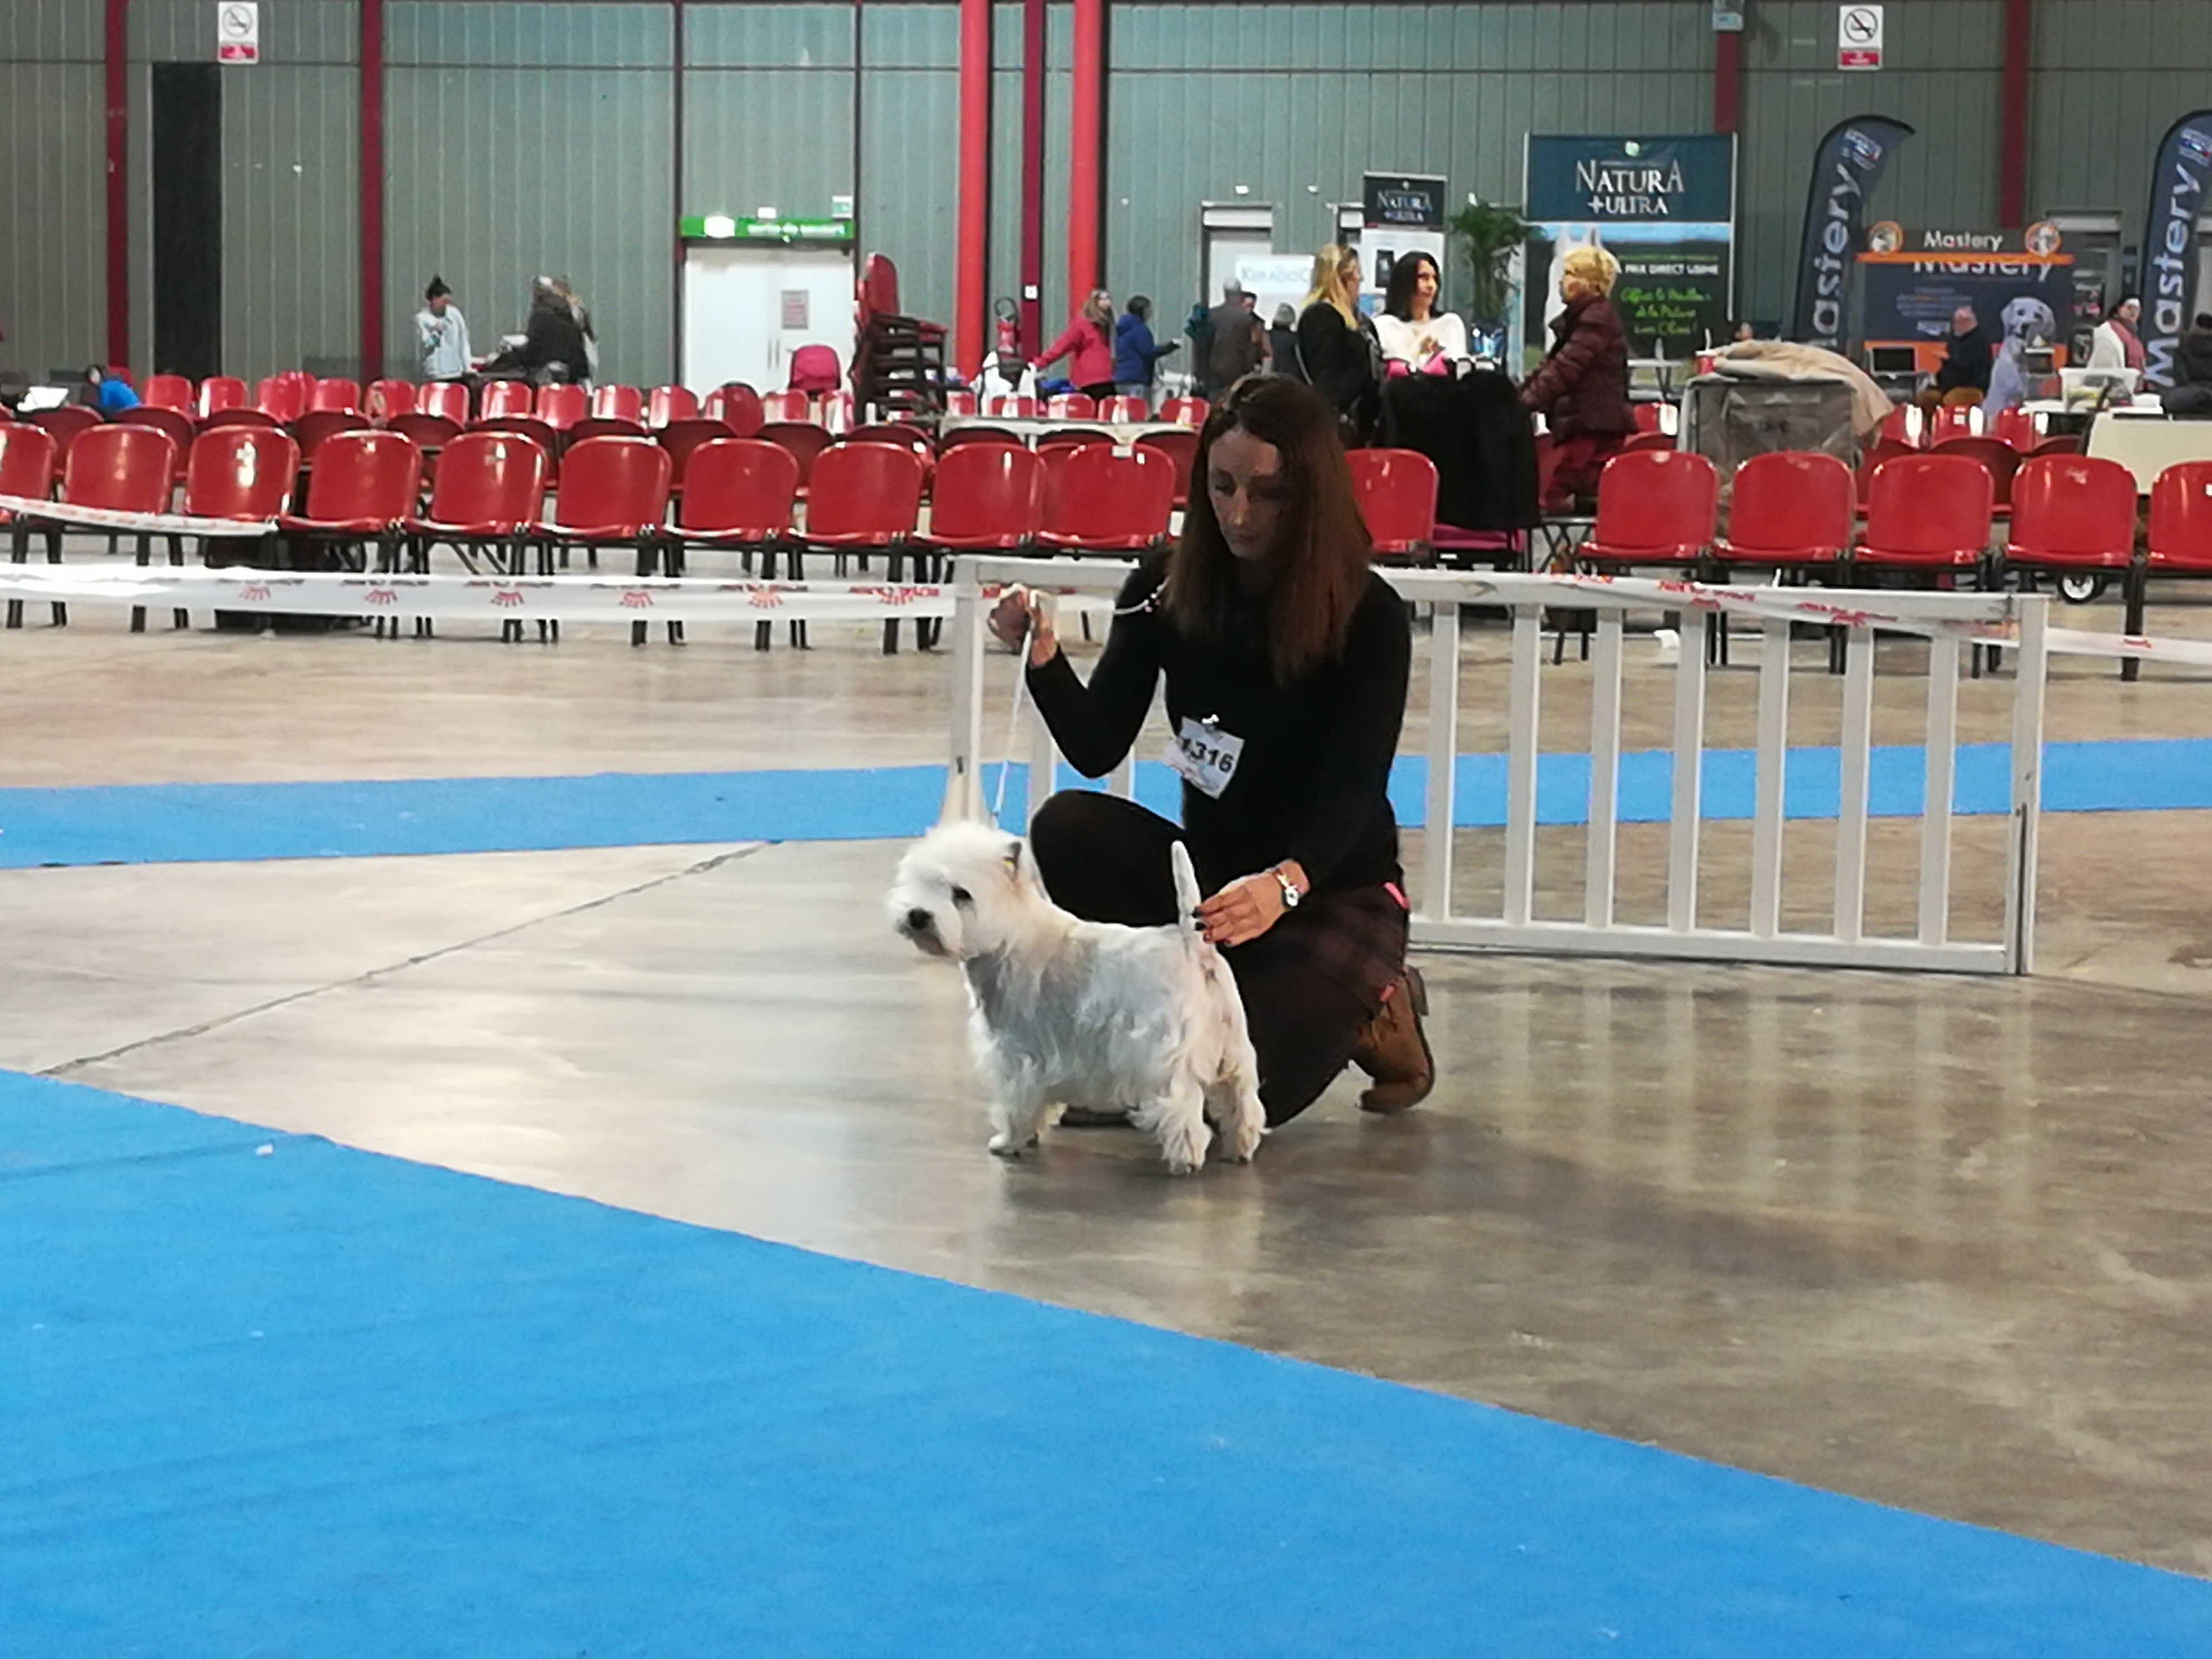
(1487, 237)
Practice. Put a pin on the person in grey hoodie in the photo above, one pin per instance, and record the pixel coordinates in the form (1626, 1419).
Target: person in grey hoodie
(442, 334)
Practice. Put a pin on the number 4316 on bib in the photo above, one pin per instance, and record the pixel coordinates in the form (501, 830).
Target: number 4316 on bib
(1204, 757)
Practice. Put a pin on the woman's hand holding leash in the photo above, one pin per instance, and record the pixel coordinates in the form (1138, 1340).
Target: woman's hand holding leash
(1020, 611)
(1250, 905)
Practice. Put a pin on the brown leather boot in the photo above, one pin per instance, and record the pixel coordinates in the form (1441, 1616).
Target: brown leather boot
(1394, 1050)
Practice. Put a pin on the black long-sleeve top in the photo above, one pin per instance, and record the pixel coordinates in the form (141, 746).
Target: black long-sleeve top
(1311, 782)
(1337, 361)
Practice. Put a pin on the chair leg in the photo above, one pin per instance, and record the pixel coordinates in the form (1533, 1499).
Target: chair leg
(894, 569)
(2135, 589)
(19, 549)
(180, 616)
(647, 565)
(145, 558)
(794, 567)
(671, 564)
(54, 557)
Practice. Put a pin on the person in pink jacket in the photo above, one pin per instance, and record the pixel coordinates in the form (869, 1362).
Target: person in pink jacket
(1088, 342)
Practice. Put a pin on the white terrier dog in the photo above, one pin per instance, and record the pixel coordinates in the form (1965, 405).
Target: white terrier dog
(1069, 1013)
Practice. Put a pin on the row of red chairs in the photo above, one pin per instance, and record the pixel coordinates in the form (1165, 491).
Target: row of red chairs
(1932, 513)
(287, 397)
(1911, 427)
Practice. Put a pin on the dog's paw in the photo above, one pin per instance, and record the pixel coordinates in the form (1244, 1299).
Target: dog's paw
(1239, 1146)
(1004, 1145)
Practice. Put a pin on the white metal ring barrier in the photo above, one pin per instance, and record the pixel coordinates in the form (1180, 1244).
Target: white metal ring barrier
(453, 597)
(1950, 621)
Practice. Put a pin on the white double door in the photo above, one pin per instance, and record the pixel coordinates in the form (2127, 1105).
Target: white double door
(746, 309)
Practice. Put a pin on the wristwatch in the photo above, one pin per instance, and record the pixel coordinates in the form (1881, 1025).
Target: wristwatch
(1291, 894)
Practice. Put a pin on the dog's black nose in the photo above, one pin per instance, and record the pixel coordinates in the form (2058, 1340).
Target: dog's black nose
(917, 921)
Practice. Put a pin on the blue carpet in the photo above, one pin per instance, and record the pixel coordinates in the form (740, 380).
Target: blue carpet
(321, 1402)
(159, 823)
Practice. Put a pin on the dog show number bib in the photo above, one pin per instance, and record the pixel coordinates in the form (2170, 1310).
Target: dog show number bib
(1204, 755)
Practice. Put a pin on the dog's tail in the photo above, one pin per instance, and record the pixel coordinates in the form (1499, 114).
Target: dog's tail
(1188, 897)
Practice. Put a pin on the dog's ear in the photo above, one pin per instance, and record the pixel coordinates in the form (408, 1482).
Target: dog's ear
(1014, 858)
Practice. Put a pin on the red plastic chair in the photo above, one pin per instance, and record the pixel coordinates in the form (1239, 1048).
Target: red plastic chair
(959, 402)
(1653, 508)
(1999, 458)
(561, 406)
(446, 399)
(1788, 509)
(341, 396)
(1646, 416)
(29, 459)
(219, 392)
(1072, 406)
(125, 467)
(1006, 406)
(177, 425)
(791, 407)
(2059, 443)
(490, 491)
(318, 426)
(989, 498)
(1397, 490)
(619, 403)
(683, 440)
(1126, 410)
(1952, 421)
(1900, 427)
(1180, 446)
(1186, 411)
(864, 499)
(2179, 540)
(1927, 513)
(242, 473)
(961, 436)
(1105, 502)
(2016, 426)
(387, 399)
(527, 426)
(738, 406)
(806, 441)
(1649, 440)
(602, 426)
(66, 424)
(740, 494)
(665, 403)
(1081, 437)
(834, 410)
(362, 490)
(905, 436)
(2070, 513)
(260, 419)
(167, 391)
(613, 493)
(503, 398)
(431, 433)
(280, 397)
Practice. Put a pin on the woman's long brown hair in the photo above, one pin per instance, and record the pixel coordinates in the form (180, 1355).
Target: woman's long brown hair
(1324, 551)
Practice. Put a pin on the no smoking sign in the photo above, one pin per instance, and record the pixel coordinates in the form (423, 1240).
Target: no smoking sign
(1858, 41)
(238, 32)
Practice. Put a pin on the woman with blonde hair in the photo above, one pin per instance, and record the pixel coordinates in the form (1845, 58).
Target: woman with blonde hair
(1336, 345)
(1088, 342)
(1582, 389)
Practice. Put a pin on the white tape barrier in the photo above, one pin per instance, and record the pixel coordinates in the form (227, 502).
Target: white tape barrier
(145, 524)
(563, 599)
(2074, 643)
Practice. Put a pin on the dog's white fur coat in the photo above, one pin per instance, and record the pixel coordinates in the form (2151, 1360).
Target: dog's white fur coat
(1069, 1013)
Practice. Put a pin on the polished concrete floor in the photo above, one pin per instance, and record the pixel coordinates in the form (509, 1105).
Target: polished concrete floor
(1941, 1243)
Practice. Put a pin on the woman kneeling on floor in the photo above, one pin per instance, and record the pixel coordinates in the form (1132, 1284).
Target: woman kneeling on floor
(1286, 657)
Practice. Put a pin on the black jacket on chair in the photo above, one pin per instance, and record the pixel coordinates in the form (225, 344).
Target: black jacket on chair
(1476, 430)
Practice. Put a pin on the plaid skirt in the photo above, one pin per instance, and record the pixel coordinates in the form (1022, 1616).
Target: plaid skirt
(1355, 938)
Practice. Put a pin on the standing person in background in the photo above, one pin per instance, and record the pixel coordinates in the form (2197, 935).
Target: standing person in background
(1337, 345)
(1199, 325)
(1236, 344)
(442, 334)
(1088, 344)
(1283, 344)
(1582, 389)
(1136, 354)
(590, 372)
(552, 348)
(1410, 328)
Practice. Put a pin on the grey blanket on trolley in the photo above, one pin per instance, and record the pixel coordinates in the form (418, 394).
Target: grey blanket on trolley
(1474, 429)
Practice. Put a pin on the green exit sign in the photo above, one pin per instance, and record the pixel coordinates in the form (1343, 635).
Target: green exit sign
(721, 228)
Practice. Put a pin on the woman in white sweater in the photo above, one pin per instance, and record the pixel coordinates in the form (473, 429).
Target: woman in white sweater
(1410, 328)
